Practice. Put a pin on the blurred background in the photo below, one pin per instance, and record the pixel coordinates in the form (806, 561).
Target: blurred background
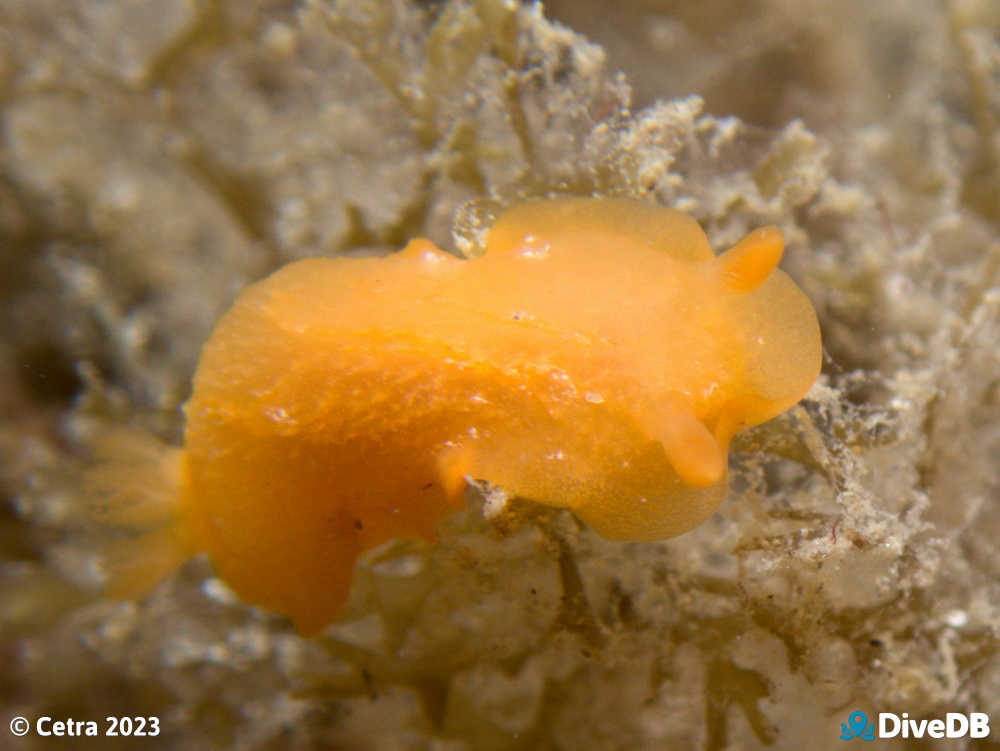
(157, 157)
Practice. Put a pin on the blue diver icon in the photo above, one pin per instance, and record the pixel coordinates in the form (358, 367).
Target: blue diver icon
(860, 727)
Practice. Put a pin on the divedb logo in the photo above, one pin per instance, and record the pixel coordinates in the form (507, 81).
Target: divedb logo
(954, 725)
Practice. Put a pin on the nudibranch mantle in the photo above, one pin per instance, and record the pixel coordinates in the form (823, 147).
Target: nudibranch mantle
(596, 357)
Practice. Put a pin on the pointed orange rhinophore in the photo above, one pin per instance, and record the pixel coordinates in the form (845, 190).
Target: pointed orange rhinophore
(748, 263)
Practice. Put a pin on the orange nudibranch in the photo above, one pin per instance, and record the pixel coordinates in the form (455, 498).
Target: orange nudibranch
(597, 357)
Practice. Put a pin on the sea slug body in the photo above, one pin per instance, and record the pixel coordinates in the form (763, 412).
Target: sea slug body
(597, 357)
